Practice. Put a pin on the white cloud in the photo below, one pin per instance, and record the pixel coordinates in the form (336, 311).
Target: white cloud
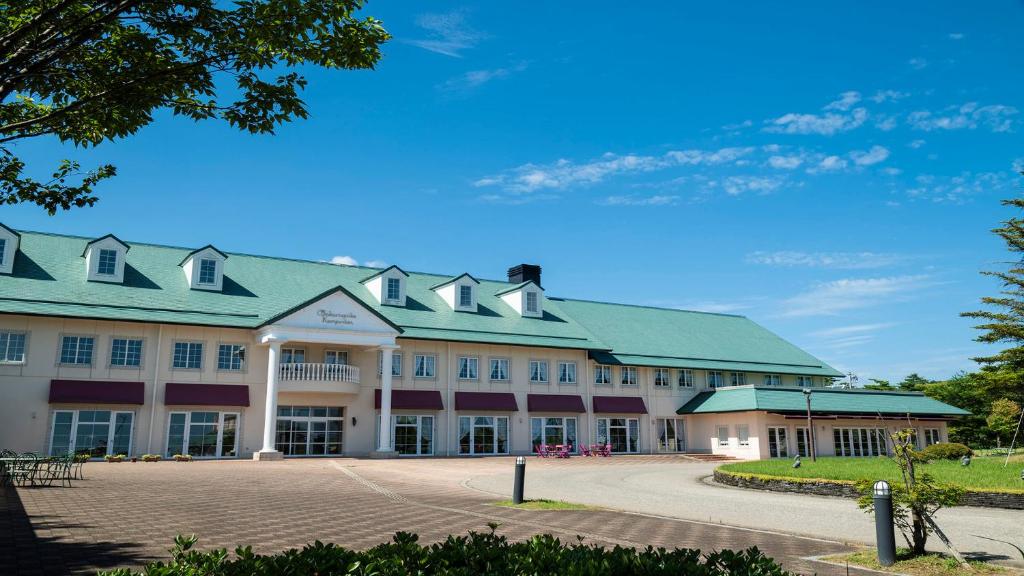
(873, 156)
(375, 264)
(823, 124)
(957, 189)
(846, 101)
(476, 78)
(996, 117)
(1018, 165)
(956, 36)
(786, 162)
(832, 298)
(855, 329)
(915, 144)
(890, 171)
(712, 306)
(889, 96)
(886, 122)
(448, 34)
(344, 260)
(836, 260)
(918, 63)
(829, 164)
(656, 200)
(736, 185)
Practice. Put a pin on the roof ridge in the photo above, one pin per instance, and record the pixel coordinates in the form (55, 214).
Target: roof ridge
(647, 306)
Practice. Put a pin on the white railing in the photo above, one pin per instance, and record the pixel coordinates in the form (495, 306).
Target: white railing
(319, 373)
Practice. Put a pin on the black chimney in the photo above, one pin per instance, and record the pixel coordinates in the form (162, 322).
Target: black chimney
(523, 272)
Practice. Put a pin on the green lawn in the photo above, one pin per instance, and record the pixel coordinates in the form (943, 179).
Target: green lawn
(927, 565)
(983, 473)
(541, 504)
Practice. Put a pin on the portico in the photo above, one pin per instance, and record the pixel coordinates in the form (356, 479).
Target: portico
(338, 322)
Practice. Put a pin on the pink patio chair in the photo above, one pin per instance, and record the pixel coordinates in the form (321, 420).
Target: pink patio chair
(585, 451)
(606, 450)
(564, 452)
(542, 450)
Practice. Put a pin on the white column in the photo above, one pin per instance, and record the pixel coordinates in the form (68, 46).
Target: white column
(268, 452)
(384, 440)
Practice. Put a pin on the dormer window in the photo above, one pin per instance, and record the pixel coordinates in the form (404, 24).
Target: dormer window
(107, 265)
(525, 298)
(105, 259)
(9, 240)
(388, 286)
(459, 292)
(204, 269)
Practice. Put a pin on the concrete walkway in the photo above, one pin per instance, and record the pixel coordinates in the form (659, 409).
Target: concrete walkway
(681, 489)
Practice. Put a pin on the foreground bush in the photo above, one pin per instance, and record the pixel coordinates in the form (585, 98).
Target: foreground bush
(945, 451)
(464, 556)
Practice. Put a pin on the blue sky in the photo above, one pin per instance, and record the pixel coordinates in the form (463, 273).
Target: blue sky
(829, 170)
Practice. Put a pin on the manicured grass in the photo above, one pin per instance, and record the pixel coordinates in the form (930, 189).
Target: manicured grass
(983, 473)
(926, 565)
(543, 505)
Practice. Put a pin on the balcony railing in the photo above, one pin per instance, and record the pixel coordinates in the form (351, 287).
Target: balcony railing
(319, 373)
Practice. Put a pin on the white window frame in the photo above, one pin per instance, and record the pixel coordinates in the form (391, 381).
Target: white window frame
(213, 273)
(4, 360)
(781, 448)
(128, 339)
(309, 419)
(78, 345)
(932, 436)
(473, 426)
(720, 441)
(684, 378)
(396, 363)
(772, 380)
(720, 379)
(338, 354)
(110, 431)
(532, 305)
(543, 420)
(291, 352)
(607, 424)
(471, 365)
(387, 289)
(419, 432)
(738, 378)
(465, 296)
(852, 441)
(743, 435)
(624, 380)
(805, 381)
(236, 347)
(220, 433)
(678, 430)
(665, 376)
(542, 372)
(432, 364)
(566, 373)
(496, 363)
(100, 263)
(603, 375)
(188, 354)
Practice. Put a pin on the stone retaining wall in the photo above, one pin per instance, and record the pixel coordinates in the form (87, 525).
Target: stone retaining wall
(848, 490)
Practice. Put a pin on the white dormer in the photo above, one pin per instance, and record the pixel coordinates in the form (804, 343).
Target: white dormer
(388, 286)
(204, 269)
(527, 299)
(9, 242)
(459, 292)
(104, 259)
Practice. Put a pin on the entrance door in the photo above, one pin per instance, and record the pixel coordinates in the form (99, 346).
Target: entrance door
(803, 444)
(671, 435)
(777, 442)
(310, 430)
(93, 432)
(622, 433)
(413, 435)
(203, 434)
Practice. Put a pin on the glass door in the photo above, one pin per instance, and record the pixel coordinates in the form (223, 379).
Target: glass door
(777, 442)
(622, 433)
(483, 435)
(93, 432)
(310, 430)
(413, 435)
(552, 432)
(203, 434)
(803, 444)
(671, 435)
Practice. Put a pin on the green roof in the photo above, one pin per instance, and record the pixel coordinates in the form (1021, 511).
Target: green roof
(824, 401)
(659, 337)
(49, 279)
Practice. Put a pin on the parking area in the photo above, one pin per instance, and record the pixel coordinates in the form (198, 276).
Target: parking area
(125, 514)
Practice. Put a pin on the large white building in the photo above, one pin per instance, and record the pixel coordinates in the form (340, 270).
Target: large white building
(114, 347)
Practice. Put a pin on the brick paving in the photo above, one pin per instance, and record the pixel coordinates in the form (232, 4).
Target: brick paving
(126, 514)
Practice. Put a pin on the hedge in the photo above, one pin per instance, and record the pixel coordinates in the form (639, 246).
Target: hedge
(477, 553)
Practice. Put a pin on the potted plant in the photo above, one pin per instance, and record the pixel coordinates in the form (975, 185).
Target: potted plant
(150, 457)
(114, 458)
(182, 457)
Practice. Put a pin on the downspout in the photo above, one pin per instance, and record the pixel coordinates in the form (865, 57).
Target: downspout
(156, 375)
(448, 417)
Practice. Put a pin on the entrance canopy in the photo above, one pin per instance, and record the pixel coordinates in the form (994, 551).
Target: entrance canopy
(824, 402)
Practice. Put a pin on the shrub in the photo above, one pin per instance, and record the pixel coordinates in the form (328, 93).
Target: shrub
(150, 457)
(477, 553)
(945, 451)
(182, 457)
(114, 458)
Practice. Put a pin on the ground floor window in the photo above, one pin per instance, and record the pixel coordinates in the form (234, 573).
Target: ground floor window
(722, 436)
(483, 434)
(671, 435)
(931, 436)
(203, 434)
(93, 432)
(622, 433)
(803, 442)
(310, 430)
(859, 441)
(553, 431)
(778, 446)
(413, 435)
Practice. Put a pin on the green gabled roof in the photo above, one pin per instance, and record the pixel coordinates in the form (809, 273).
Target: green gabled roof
(381, 271)
(659, 337)
(198, 250)
(824, 401)
(506, 289)
(49, 279)
(455, 279)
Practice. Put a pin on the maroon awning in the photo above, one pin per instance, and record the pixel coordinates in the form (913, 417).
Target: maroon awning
(497, 401)
(206, 394)
(619, 405)
(555, 403)
(411, 400)
(97, 392)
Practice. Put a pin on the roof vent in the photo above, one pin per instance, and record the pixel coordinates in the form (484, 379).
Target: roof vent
(524, 273)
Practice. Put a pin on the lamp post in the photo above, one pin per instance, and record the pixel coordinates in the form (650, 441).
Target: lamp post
(810, 428)
(885, 533)
(517, 489)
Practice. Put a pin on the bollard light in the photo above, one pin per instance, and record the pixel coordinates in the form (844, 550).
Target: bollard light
(882, 488)
(520, 460)
(520, 480)
(966, 460)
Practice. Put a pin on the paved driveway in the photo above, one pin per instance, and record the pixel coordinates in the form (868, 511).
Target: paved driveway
(676, 488)
(124, 514)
